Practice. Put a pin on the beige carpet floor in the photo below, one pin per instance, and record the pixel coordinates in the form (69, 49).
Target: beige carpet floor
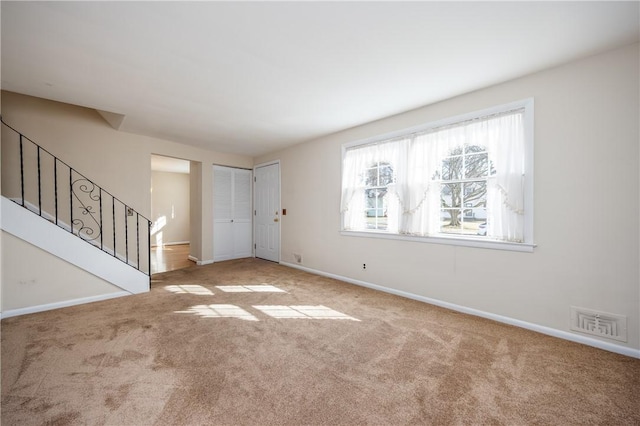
(255, 343)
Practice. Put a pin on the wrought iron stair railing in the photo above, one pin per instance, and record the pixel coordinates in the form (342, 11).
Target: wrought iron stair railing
(47, 186)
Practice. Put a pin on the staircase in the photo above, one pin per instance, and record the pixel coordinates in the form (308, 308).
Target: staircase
(49, 204)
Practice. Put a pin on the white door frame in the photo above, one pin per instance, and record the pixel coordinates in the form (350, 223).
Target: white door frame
(257, 166)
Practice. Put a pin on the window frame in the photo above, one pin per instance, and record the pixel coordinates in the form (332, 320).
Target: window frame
(464, 240)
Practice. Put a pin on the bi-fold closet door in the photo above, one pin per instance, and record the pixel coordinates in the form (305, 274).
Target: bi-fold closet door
(232, 213)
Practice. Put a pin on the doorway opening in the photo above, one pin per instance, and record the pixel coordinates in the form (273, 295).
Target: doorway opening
(170, 214)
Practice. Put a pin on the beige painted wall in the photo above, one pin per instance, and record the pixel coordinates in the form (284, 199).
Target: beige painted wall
(35, 277)
(586, 194)
(170, 207)
(197, 210)
(118, 161)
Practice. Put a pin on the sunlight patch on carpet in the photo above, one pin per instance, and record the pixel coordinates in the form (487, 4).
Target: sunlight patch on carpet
(313, 312)
(262, 288)
(219, 311)
(189, 289)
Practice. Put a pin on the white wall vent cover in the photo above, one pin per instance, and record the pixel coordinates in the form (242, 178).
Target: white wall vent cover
(602, 324)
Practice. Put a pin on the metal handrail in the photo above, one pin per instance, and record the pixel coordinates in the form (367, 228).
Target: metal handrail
(87, 196)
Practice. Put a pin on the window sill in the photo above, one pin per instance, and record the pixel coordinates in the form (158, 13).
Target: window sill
(448, 240)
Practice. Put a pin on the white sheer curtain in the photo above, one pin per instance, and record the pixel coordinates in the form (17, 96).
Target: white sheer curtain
(413, 201)
(355, 163)
(505, 190)
(421, 194)
(393, 152)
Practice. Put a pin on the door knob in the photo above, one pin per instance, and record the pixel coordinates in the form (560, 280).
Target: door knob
(276, 220)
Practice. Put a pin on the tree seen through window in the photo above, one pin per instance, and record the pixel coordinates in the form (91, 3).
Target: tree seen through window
(463, 190)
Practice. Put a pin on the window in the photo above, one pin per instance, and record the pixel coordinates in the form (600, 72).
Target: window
(377, 179)
(463, 189)
(466, 180)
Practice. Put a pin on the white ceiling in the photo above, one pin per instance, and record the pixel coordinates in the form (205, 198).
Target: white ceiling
(250, 78)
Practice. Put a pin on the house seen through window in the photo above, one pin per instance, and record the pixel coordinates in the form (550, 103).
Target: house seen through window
(377, 179)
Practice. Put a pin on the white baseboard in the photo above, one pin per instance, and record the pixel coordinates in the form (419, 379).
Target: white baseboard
(63, 304)
(199, 262)
(175, 243)
(589, 341)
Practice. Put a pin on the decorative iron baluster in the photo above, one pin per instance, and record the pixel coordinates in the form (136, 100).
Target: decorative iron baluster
(70, 200)
(55, 186)
(21, 172)
(39, 185)
(126, 234)
(113, 215)
(87, 231)
(101, 239)
(138, 239)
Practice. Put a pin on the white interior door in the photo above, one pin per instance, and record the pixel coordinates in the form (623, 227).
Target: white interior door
(231, 213)
(267, 215)
(242, 224)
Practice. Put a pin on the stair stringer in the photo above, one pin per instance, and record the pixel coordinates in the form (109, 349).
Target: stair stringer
(29, 227)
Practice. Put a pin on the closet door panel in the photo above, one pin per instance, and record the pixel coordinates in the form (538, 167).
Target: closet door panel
(242, 211)
(243, 239)
(232, 213)
(223, 241)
